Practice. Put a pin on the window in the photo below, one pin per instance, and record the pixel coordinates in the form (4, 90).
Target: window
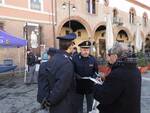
(132, 14)
(1, 1)
(115, 15)
(102, 34)
(36, 4)
(91, 6)
(106, 3)
(79, 33)
(145, 19)
(1, 26)
(115, 12)
(67, 32)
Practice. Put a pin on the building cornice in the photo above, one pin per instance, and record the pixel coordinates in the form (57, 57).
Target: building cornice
(139, 4)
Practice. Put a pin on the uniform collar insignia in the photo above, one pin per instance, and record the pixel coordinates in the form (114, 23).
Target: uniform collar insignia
(86, 43)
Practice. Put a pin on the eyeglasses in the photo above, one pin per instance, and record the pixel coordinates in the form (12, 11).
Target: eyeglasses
(109, 54)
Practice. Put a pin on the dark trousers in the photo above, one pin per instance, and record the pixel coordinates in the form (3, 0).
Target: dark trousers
(32, 74)
(89, 102)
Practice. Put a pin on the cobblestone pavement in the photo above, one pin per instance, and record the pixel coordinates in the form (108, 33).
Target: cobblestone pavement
(16, 97)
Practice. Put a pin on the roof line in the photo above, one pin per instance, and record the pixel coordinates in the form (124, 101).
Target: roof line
(139, 4)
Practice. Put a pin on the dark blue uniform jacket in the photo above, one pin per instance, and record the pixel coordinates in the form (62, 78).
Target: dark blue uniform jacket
(84, 67)
(58, 83)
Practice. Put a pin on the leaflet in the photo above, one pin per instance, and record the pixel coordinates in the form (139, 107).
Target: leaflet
(92, 79)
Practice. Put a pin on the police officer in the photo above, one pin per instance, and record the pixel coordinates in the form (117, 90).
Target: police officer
(43, 78)
(60, 78)
(44, 81)
(85, 65)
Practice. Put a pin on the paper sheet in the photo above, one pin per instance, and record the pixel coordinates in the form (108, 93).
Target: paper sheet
(92, 79)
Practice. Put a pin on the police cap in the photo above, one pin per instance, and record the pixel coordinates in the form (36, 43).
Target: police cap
(85, 44)
(69, 37)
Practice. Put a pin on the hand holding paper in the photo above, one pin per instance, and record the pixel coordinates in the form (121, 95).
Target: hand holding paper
(93, 79)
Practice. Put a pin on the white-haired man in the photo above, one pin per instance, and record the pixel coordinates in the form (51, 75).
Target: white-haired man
(121, 90)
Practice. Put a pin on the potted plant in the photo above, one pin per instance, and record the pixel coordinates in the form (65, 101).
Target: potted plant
(148, 64)
(102, 66)
(142, 62)
(147, 52)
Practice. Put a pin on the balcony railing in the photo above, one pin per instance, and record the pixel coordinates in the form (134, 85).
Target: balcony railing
(117, 21)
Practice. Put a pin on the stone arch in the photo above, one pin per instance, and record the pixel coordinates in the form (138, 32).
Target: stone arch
(76, 18)
(126, 30)
(147, 43)
(99, 37)
(96, 27)
(147, 35)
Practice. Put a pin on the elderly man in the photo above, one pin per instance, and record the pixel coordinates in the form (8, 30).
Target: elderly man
(121, 90)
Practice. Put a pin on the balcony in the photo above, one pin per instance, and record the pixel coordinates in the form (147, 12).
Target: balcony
(117, 21)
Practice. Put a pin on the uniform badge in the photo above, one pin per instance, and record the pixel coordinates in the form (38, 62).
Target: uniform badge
(86, 43)
(79, 57)
(91, 65)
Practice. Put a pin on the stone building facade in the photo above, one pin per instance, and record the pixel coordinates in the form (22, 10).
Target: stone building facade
(87, 18)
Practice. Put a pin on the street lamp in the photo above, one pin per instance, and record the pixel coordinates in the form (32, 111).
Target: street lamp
(64, 5)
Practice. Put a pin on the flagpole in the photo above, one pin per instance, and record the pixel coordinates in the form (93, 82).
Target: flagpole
(25, 52)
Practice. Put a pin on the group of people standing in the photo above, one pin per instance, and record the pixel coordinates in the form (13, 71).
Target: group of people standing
(63, 80)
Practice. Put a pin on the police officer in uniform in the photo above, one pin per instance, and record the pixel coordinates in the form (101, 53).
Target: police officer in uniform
(60, 79)
(85, 65)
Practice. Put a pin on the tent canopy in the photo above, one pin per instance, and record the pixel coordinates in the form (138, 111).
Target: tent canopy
(10, 41)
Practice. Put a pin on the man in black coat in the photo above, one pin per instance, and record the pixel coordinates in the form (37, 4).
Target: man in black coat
(60, 79)
(121, 90)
